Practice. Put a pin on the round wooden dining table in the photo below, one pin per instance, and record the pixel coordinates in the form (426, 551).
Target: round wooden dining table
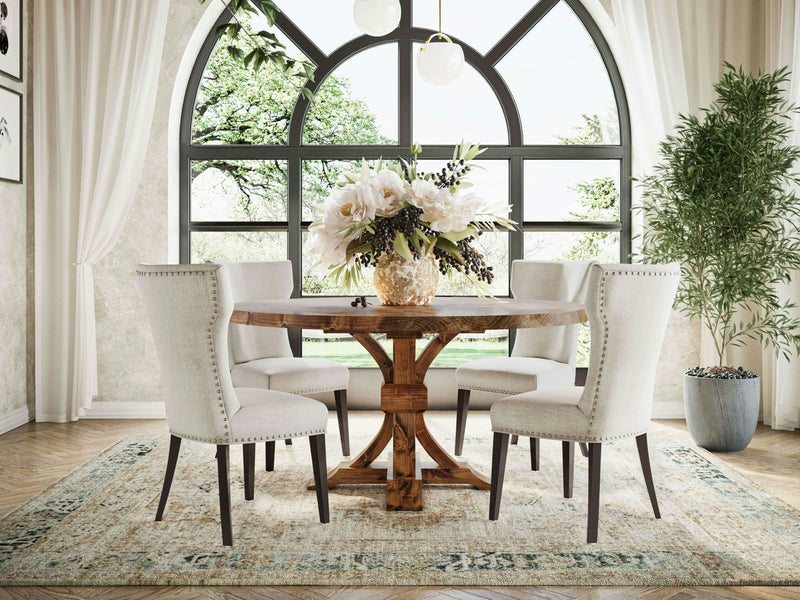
(404, 397)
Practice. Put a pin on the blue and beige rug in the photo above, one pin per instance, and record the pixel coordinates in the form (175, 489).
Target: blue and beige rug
(95, 526)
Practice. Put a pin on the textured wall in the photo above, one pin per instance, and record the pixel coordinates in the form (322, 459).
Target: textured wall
(14, 243)
(128, 370)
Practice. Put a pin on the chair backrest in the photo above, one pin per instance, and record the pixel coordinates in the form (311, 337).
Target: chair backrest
(628, 308)
(563, 281)
(189, 307)
(268, 280)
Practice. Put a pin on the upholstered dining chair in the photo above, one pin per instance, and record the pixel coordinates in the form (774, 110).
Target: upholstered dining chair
(189, 307)
(628, 308)
(542, 357)
(262, 357)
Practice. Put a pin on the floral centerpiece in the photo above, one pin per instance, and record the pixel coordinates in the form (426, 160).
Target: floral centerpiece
(412, 226)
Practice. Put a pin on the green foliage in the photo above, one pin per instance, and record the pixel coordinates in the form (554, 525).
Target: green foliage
(722, 203)
(257, 49)
(236, 105)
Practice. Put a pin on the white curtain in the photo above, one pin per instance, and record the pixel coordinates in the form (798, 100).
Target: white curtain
(96, 68)
(782, 396)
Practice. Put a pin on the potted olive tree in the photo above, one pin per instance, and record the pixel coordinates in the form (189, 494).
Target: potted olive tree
(722, 202)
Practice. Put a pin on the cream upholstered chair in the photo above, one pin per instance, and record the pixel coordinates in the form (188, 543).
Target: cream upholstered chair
(542, 357)
(189, 307)
(628, 308)
(261, 356)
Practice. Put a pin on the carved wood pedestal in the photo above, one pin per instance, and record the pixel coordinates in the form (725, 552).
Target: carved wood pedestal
(404, 399)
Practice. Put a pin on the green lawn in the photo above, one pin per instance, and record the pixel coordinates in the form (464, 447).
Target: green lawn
(349, 352)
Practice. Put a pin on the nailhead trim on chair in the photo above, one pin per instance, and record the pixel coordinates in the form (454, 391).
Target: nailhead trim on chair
(314, 391)
(493, 390)
(574, 438)
(262, 438)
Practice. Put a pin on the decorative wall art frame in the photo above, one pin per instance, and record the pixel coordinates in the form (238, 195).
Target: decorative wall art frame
(11, 38)
(10, 135)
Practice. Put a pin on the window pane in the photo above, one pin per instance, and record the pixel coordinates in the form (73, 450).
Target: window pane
(466, 109)
(571, 190)
(238, 245)
(493, 246)
(473, 346)
(238, 190)
(237, 105)
(357, 104)
(341, 347)
(568, 245)
(328, 24)
(560, 83)
(459, 19)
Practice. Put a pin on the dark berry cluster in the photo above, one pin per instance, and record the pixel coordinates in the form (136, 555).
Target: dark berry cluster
(451, 174)
(406, 221)
(473, 261)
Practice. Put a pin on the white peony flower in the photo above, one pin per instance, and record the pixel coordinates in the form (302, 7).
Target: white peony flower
(390, 190)
(332, 247)
(443, 210)
(352, 203)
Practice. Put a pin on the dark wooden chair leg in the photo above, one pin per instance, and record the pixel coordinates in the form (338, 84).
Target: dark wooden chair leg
(320, 467)
(172, 460)
(499, 454)
(568, 459)
(594, 492)
(534, 454)
(270, 446)
(644, 458)
(461, 420)
(514, 439)
(249, 459)
(584, 449)
(223, 462)
(288, 441)
(341, 415)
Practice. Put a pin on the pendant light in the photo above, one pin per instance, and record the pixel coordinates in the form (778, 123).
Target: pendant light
(440, 62)
(376, 17)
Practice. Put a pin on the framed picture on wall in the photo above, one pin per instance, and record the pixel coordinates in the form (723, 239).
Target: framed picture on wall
(10, 135)
(11, 38)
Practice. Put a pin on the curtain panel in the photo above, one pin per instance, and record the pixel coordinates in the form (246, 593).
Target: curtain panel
(96, 68)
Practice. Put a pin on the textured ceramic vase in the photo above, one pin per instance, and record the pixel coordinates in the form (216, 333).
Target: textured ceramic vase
(721, 414)
(401, 282)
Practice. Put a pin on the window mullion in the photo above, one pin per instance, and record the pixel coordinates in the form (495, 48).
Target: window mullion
(294, 241)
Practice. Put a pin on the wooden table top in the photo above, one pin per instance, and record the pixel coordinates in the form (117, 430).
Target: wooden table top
(443, 314)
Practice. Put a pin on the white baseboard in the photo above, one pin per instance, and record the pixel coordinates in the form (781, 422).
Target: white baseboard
(126, 410)
(14, 419)
(669, 410)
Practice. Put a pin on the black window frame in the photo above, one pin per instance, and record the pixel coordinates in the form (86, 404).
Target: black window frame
(294, 152)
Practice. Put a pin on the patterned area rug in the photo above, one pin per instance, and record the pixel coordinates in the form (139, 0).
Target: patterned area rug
(95, 526)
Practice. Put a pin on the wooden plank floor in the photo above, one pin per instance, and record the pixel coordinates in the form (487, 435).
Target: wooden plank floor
(38, 454)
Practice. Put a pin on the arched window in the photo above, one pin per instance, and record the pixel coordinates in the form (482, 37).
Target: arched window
(540, 91)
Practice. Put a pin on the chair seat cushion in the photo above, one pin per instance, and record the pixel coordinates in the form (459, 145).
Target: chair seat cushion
(268, 415)
(291, 374)
(513, 374)
(551, 413)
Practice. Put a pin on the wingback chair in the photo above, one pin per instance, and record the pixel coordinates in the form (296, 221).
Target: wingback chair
(542, 357)
(628, 308)
(262, 357)
(189, 307)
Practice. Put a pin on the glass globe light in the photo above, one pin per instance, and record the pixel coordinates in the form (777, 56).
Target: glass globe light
(440, 63)
(376, 17)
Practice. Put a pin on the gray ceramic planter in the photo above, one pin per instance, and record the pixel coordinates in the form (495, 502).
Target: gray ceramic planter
(721, 413)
